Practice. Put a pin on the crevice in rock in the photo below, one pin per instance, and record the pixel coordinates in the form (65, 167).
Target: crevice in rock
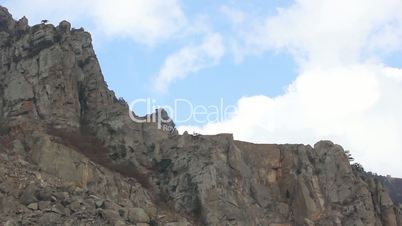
(34, 99)
(82, 98)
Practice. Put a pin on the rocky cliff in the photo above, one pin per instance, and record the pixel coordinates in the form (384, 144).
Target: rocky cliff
(393, 186)
(71, 155)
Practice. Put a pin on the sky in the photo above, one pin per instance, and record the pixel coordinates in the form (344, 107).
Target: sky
(289, 71)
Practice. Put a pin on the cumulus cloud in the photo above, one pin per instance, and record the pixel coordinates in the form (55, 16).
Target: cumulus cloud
(145, 21)
(190, 59)
(344, 92)
(234, 15)
(331, 32)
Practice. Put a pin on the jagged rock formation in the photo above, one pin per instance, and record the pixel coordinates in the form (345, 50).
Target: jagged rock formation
(393, 186)
(71, 155)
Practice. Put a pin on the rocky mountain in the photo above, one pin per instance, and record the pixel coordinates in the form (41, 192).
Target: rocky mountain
(71, 155)
(393, 186)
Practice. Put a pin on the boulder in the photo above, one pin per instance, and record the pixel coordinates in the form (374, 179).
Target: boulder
(29, 195)
(137, 215)
(110, 216)
(33, 206)
(22, 24)
(65, 26)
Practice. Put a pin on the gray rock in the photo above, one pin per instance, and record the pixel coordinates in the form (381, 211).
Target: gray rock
(120, 223)
(49, 218)
(29, 195)
(137, 215)
(111, 216)
(10, 223)
(44, 194)
(99, 204)
(177, 224)
(33, 206)
(65, 26)
(22, 24)
(44, 205)
(75, 206)
(58, 208)
(141, 224)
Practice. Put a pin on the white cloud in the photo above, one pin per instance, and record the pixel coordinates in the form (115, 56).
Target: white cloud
(343, 91)
(190, 59)
(234, 15)
(145, 21)
(331, 32)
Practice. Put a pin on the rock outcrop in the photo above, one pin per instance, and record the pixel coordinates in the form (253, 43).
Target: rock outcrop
(71, 155)
(393, 186)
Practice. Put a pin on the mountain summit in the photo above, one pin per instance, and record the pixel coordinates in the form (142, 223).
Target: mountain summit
(71, 155)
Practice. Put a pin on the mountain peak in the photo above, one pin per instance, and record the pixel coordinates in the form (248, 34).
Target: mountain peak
(71, 154)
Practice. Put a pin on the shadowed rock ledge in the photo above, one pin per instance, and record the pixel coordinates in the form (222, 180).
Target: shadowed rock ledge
(71, 155)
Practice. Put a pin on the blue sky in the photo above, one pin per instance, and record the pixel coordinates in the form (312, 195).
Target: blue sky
(296, 71)
(130, 75)
(129, 67)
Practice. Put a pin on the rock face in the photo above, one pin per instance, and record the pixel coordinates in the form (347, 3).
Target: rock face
(71, 155)
(394, 187)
